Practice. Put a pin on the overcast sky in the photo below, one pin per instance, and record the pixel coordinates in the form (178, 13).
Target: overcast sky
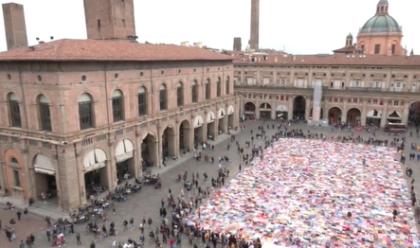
(296, 26)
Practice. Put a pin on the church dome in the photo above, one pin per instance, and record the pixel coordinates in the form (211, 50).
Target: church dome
(381, 24)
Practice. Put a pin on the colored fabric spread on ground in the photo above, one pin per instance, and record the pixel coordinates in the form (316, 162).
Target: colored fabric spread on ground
(314, 193)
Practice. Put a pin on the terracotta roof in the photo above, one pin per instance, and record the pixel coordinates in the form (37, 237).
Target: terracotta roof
(109, 50)
(347, 49)
(326, 59)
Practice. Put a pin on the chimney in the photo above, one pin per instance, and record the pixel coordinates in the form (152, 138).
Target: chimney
(237, 44)
(14, 25)
(255, 25)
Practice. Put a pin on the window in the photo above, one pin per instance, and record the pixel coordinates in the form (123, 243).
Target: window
(14, 109)
(393, 49)
(194, 91)
(16, 177)
(44, 113)
(208, 89)
(117, 105)
(85, 111)
(219, 87)
(228, 85)
(180, 94)
(142, 97)
(98, 23)
(163, 97)
(377, 49)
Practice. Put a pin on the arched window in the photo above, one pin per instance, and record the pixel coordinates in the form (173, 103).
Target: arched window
(117, 105)
(44, 113)
(163, 97)
(180, 94)
(228, 85)
(219, 87)
(14, 109)
(16, 175)
(142, 97)
(208, 89)
(85, 111)
(194, 91)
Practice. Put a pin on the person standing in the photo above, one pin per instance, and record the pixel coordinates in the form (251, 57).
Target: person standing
(92, 244)
(19, 214)
(78, 240)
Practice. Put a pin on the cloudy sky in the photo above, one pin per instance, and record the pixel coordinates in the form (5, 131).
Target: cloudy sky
(296, 26)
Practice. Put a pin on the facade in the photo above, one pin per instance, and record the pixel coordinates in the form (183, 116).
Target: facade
(15, 26)
(334, 89)
(85, 117)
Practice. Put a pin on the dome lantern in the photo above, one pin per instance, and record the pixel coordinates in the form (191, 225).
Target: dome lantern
(382, 7)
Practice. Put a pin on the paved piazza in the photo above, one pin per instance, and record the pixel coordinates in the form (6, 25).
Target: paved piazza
(146, 203)
(316, 192)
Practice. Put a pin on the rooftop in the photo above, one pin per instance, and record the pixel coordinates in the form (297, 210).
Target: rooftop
(109, 50)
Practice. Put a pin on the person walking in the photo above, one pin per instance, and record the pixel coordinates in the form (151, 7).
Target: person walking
(78, 240)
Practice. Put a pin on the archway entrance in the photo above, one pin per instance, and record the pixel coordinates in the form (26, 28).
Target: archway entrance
(45, 181)
(281, 113)
(198, 131)
(334, 116)
(353, 117)
(168, 143)
(148, 151)
(265, 111)
(230, 112)
(249, 111)
(414, 114)
(184, 137)
(211, 126)
(299, 108)
(96, 179)
(124, 160)
(373, 118)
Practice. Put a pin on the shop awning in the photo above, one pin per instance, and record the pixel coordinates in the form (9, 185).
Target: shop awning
(210, 117)
(230, 110)
(44, 165)
(221, 113)
(198, 121)
(94, 160)
(124, 150)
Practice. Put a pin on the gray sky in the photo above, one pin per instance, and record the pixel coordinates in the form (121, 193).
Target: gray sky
(298, 26)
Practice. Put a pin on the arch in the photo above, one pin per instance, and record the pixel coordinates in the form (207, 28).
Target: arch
(210, 117)
(265, 106)
(221, 113)
(124, 150)
(168, 142)
(354, 117)
(265, 111)
(334, 116)
(85, 97)
(414, 114)
(117, 93)
(198, 121)
(249, 111)
(299, 108)
(43, 99)
(94, 159)
(184, 136)
(250, 107)
(148, 150)
(43, 164)
(230, 110)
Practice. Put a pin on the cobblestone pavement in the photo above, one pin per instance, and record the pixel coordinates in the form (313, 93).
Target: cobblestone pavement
(146, 203)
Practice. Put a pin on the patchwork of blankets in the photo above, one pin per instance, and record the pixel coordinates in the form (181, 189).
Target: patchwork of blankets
(315, 193)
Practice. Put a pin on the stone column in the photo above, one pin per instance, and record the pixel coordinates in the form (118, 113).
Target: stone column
(364, 113)
(316, 103)
(71, 177)
(384, 114)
